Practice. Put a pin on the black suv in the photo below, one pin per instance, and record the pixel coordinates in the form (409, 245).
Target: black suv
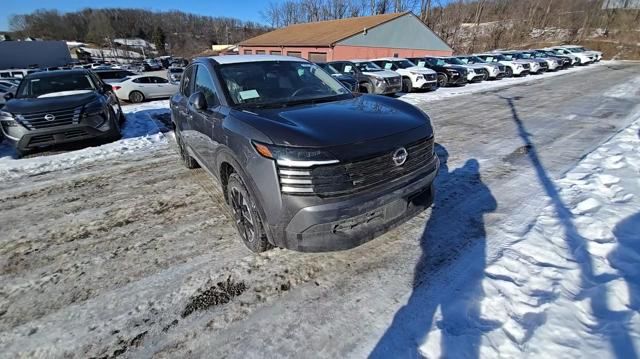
(303, 163)
(56, 107)
(447, 74)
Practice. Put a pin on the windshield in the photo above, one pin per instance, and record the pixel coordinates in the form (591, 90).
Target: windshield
(508, 57)
(279, 83)
(453, 61)
(329, 69)
(476, 60)
(575, 50)
(464, 60)
(367, 66)
(525, 55)
(37, 87)
(404, 64)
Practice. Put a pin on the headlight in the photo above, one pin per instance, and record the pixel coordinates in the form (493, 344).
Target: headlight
(7, 119)
(294, 156)
(93, 108)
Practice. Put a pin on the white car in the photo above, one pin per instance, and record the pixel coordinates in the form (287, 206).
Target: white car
(142, 87)
(495, 71)
(512, 67)
(595, 55)
(532, 65)
(583, 58)
(413, 77)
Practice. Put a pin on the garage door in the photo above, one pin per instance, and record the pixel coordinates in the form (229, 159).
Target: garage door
(318, 56)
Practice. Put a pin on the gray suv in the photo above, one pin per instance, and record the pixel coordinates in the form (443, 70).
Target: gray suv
(303, 163)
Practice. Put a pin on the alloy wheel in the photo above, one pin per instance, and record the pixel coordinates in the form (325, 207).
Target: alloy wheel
(242, 215)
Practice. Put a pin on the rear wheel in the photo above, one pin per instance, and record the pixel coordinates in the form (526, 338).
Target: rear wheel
(443, 80)
(407, 86)
(186, 158)
(245, 215)
(136, 97)
(485, 75)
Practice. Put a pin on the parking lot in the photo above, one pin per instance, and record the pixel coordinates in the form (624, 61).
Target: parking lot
(102, 254)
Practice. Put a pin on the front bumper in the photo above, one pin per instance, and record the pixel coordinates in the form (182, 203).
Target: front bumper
(354, 220)
(31, 139)
(424, 84)
(387, 89)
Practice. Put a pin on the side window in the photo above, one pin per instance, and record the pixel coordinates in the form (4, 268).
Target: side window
(338, 66)
(185, 87)
(159, 80)
(204, 84)
(142, 80)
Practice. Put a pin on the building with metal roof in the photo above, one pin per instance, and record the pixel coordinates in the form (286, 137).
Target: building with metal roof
(394, 35)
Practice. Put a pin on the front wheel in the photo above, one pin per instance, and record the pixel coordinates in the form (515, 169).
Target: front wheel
(407, 86)
(509, 72)
(443, 80)
(366, 88)
(245, 215)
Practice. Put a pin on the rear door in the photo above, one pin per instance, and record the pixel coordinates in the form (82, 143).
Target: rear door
(162, 86)
(144, 85)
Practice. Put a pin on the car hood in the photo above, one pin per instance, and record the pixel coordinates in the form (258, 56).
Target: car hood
(383, 73)
(44, 104)
(422, 70)
(352, 121)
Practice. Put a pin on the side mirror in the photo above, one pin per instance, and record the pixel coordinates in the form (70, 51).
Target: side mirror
(8, 96)
(198, 101)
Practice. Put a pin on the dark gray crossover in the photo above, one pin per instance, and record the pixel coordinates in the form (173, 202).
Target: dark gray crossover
(304, 163)
(56, 107)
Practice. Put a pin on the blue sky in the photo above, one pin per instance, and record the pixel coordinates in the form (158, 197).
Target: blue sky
(242, 9)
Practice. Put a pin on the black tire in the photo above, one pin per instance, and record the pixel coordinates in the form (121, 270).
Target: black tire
(114, 133)
(366, 88)
(407, 86)
(245, 214)
(136, 97)
(443, 80)
(187, 160)
(121, 117)
(485, 75)
(509, 72)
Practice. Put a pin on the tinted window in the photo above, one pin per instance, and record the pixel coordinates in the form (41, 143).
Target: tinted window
(275, 52)
(185, 87)
(142, 80)
(158, 80)
(294, 53)
(204, 84)
(260, 52)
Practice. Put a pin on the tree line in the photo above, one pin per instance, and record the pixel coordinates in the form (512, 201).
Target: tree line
(184, 34)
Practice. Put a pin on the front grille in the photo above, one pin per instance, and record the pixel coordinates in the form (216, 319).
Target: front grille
(351, 177)
(502, 68)
(544, 64)
(393, 80)
(431, 77)
(37, 120)
(526, 66)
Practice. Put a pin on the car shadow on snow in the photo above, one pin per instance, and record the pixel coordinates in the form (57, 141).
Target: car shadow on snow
(460, 192)
(141, 123)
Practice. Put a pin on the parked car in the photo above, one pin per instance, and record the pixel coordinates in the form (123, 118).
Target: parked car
(347, 80)
(512, 67)
(16, 73)
(143, 87)
(152, 65)
(57, 107)
(174, 74)
(552, 63)
(303, 163)
(564, 61)
(594, 55)
(473, 74)
(535, 66)
(494, 71)
(371, 78)
(6, 87)
(447, 74)
(575, 60)
(113, 75)
(584, 57)
(413, 77)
